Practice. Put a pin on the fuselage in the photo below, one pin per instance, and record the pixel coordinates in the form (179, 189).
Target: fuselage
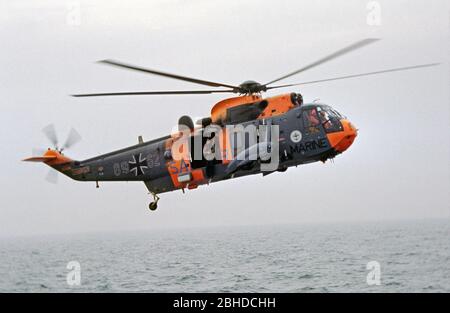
(306, 133)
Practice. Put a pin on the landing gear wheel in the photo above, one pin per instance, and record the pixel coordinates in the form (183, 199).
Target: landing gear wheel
(153, 206)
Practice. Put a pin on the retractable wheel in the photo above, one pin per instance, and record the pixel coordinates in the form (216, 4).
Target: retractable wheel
(153, 206)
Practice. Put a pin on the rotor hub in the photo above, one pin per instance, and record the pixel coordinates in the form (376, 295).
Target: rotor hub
(250, 87)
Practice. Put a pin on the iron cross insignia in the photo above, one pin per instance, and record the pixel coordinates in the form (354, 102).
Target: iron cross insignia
(138, 164)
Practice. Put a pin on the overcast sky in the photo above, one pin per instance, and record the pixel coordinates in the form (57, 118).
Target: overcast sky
(397, 168)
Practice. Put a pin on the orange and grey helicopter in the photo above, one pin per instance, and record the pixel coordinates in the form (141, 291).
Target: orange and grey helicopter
(305, 133)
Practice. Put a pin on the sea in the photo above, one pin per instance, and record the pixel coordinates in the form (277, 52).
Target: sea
(400, 256)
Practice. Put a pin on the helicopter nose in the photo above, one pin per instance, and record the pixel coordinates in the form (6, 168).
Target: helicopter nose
(342, 140)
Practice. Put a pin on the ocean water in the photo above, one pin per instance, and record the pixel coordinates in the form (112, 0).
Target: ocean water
(414, 256)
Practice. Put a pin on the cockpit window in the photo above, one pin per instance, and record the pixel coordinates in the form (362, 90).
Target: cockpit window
(329, 119)
(311, 121)
(336, 113)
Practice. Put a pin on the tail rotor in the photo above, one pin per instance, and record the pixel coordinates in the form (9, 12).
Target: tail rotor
(72, 138)
(50, 132)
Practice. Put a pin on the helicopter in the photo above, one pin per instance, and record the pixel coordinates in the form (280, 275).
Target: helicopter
(275, 133)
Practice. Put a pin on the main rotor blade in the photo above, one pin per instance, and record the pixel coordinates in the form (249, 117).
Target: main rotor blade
(134, 93)
(146, 70)
(332, 56)
(50, 132)
(358, 75)
(73, 138)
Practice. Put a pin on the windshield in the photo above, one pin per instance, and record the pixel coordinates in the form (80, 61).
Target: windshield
(329, 119)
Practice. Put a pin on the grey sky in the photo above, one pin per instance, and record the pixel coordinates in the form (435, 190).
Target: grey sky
(398, 166)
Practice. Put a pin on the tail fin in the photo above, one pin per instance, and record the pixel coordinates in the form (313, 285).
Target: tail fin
(40, 159)
(50, 157)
